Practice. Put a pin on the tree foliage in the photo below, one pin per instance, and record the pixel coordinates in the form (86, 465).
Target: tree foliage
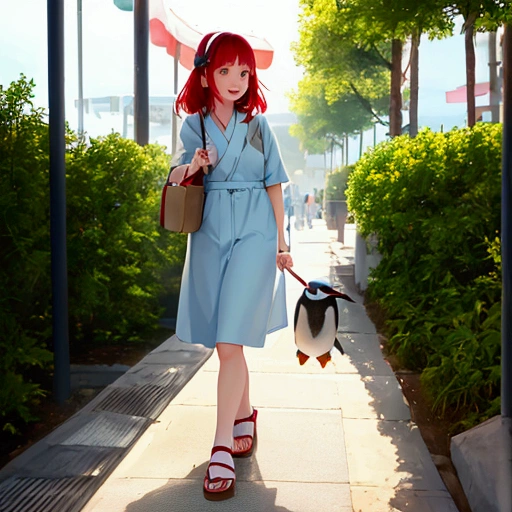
(353, 48)
(24, 252)
(323, 117)
(346, 83)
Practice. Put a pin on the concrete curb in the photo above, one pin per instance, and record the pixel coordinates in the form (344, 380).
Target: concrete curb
(64, 470)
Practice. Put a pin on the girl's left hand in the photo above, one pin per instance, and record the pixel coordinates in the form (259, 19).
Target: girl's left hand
(284, 260)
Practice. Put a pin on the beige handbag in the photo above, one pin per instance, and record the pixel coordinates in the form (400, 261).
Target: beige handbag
(181, 207)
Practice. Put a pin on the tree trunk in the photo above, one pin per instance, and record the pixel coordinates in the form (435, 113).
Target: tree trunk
(395, 107)
(413, 102)
(470, 68)
(494, 99)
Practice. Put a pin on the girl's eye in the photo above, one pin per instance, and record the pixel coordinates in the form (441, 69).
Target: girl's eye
(244, 73)
(224, 71)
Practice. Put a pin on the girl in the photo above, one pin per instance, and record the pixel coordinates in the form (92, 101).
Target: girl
(226, 296)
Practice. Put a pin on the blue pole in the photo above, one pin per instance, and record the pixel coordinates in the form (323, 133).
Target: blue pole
(62, 384)
(506, 262)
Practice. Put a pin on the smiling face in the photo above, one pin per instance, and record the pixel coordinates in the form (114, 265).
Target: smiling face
(232, 81)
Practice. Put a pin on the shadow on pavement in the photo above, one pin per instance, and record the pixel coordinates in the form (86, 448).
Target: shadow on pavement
(186, 495)
(416, 483)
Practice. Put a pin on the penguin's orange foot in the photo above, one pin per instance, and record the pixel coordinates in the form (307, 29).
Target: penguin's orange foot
(324, 359)
(302, 357)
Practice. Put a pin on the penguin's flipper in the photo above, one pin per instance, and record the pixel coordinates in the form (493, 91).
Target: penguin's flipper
(324, 359)
(302, 357)
(337, 344)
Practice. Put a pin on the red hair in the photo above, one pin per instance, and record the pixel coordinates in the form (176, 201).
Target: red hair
(224, 50)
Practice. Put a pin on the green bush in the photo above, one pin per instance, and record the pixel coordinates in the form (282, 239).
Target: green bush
(117, 252)
(120, 261)
(24, 251)
(336, 183)
(435, 203)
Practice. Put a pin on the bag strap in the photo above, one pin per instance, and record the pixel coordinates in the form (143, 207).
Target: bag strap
(203, 137)
(203, 131)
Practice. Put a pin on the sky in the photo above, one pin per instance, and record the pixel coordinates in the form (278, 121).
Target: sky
(108, 52)
(108, 45)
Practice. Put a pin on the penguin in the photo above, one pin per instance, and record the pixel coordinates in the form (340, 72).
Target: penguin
(316, 322)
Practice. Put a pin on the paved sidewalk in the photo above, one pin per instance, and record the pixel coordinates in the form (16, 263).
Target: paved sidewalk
(337, 439)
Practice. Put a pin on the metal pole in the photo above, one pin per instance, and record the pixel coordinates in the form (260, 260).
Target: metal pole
(62, 384)
(506, 234)
(141, 87)
(80, 73)
(332, 152)
(506, 262)
(173, 114)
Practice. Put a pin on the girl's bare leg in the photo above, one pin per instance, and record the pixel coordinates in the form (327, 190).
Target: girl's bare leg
(230, 388)
(245, 408)
(244, 411)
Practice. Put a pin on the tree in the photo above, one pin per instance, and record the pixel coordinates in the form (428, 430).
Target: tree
(331, 49)
(348, 36)
(346, 84)
(393, 22)
(428, 17)
(478, 15)
(321, 117)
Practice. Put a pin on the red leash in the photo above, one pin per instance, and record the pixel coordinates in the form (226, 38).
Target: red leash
(301, 281)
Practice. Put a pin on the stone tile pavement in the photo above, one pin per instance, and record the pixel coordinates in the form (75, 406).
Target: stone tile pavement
(338, 439)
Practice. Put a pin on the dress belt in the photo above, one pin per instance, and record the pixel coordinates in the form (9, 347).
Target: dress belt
(233, 186)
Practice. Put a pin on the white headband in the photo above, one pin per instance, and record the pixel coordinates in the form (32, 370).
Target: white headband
(217, 34)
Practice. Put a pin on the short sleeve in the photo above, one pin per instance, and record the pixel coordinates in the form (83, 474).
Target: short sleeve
(274, 169)
(189, 141)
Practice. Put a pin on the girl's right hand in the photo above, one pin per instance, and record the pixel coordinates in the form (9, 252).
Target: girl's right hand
(199, 160)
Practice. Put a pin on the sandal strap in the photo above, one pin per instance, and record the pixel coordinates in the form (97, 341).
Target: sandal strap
(222, 465)
(251, 418)
(216, 480)
(221, 448)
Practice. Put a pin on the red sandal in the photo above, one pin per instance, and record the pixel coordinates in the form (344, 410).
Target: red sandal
(223, 493)
(245, 428)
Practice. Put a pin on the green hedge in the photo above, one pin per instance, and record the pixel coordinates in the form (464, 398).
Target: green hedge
(435, 203)
(116, 250)
(119, 259)
(336, 183)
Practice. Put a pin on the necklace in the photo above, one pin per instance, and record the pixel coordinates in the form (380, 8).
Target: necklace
(224, 126)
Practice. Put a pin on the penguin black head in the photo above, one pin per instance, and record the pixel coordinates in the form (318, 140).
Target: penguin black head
(319, 290)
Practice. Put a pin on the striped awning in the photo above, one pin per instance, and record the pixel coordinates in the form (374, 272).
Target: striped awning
(171, 32)
(459, 95)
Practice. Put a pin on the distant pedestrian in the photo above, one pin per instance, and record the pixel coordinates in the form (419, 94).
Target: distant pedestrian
(309, 201)
(227, 290)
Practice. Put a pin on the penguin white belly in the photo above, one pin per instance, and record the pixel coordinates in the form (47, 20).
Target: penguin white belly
(323, 342)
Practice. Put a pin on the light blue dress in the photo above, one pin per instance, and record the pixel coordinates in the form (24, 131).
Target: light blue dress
(228, 291)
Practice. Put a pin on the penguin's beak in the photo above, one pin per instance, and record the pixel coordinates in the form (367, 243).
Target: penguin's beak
(335, 293)
(343, 296)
